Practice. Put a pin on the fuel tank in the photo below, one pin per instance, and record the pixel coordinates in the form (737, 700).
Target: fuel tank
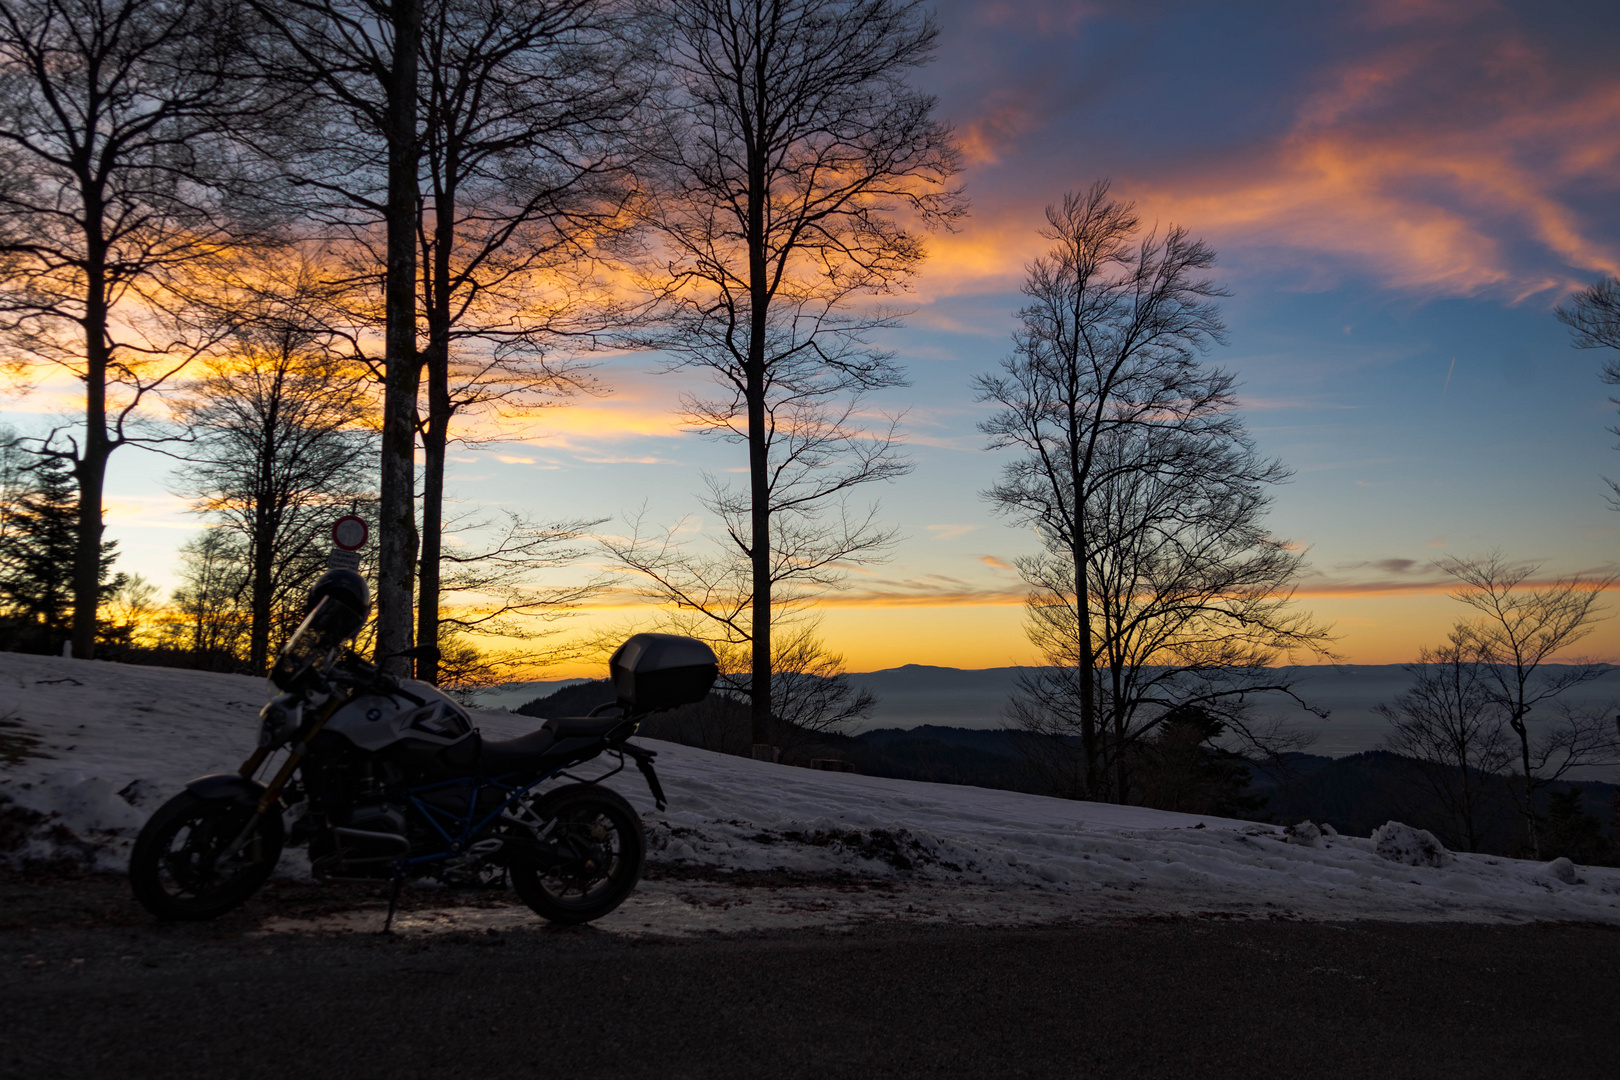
(375, 721)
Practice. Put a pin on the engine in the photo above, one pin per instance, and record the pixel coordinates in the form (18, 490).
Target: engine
(365, 844)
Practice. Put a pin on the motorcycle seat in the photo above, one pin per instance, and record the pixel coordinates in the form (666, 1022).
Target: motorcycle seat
(527, 751)
(582, 727)
(514, 755)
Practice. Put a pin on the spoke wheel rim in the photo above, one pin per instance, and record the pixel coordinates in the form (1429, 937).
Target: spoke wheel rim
(589, 850)
(188, 866)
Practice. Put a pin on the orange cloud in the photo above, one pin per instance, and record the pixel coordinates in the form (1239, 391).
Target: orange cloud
(1442, 164)
(1457, 199)
(640, 405)
(940, 591)
(987, 255)
(924, 596)
(1007, 116)
(1433, 584)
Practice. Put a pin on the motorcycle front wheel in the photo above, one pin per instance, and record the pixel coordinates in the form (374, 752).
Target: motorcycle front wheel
(176, 870)
(588, 862)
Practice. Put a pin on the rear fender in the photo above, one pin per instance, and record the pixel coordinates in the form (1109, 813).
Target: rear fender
(238, 789)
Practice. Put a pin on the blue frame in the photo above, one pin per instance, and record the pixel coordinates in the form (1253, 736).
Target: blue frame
(457, 844)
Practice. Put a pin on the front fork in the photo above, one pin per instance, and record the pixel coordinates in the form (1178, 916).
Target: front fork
(283, 774)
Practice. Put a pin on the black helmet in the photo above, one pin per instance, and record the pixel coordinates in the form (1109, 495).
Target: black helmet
(348, 602)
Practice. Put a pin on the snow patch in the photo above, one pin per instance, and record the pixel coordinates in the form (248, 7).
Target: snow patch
(1305, 834)
(123, 739)
(1414, 847)
(1563, 870)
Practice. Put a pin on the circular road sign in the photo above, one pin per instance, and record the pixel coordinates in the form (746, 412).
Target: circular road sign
(349, 533)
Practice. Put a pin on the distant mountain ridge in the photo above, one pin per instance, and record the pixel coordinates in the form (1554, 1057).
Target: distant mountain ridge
(1355, 793)
(916, 694)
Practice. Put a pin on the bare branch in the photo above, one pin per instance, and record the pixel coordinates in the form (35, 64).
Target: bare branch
(1159, 595)
(1513, 644)
(793, 172)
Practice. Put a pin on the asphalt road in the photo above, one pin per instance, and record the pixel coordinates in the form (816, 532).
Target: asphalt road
(1148, 999)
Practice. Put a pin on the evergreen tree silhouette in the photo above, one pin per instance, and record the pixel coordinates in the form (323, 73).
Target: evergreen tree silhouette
(36, 561)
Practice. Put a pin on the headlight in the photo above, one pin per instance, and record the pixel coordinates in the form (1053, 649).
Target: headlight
(279, 720)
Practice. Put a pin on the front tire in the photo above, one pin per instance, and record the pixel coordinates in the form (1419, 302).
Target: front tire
(589, 861)
(176, 871)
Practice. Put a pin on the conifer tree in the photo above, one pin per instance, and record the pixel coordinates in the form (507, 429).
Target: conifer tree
(36, 559)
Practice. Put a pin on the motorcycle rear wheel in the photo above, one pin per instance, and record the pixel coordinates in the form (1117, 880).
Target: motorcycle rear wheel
(589, 861)
(175, 871)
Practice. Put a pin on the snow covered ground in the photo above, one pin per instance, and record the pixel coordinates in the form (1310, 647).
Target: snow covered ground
(96, 746)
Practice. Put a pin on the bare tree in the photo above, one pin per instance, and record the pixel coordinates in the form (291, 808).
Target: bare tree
(110, 112)
(280, 425)
(497, 147)
(816, 531)
(1450, 723)
(1158, 588)
(526, 148)
(798, 167)
(813, 692)
(130, 615)
(1594, 321)
(495, 584)
(354, 149)
(1514, 641)
(212, 620)
(1593, 318)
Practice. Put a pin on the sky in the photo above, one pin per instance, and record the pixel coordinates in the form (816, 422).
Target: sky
(1400, 195)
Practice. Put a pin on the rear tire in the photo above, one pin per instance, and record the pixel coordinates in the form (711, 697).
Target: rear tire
(589, 861)
(175, 871)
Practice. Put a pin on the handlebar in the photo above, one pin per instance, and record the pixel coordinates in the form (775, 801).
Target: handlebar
(372, 677)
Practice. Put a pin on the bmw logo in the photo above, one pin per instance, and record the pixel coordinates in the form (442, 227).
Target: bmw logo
(373, 714)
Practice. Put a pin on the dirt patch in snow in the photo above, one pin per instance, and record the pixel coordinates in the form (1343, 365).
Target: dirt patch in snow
(17, 742)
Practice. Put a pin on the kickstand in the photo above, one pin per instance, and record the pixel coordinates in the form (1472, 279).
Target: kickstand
(393, 903)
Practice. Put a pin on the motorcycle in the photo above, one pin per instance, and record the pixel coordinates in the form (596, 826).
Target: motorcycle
(389, 781)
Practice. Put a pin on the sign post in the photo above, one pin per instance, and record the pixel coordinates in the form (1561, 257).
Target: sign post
(348, 537)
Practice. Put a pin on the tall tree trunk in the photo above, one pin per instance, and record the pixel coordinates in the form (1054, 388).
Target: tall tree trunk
(436, 432)
(1122, 776)
(760, 549)
(91, 468)
(265, 515)
(259, 601)
(1116, 733)
(397, 538)
(1088, 662)
(1469, 795)
(1079, 469)
(759, 485)
(1519, 729)
(427, 592)
(91, 472)
(435, 438)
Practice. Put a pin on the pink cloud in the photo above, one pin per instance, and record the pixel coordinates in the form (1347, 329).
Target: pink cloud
(1452, 156)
